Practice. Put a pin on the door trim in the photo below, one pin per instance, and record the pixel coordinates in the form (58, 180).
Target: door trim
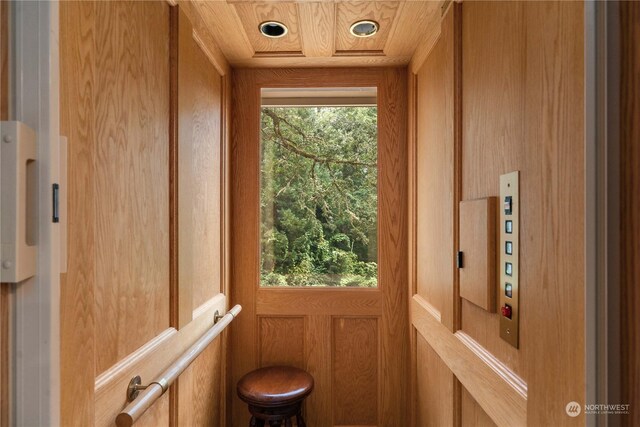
(36, 302)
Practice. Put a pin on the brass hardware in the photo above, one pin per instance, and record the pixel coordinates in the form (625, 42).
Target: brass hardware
(217, 316)
(135, 386)
(509, 247)
(133, 390)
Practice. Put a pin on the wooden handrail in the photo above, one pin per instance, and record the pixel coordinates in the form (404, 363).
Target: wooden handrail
(156, 388)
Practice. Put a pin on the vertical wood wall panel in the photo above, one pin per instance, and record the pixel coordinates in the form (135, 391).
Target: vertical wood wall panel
(199, 179)
(117, 95)
(200, 389)
(472, 413)
(523, 109)
(435, 175)
(77, 305)
(434, 393)
(131, 180)
(355, 371)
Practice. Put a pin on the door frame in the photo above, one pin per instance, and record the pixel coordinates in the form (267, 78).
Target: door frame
(34, 383)
(391, 307)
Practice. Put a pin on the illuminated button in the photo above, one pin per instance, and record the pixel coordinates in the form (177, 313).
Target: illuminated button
(508, 247)
(508, 269)
(508, 205)
(506, 311)
(508, 227)
(508, 290)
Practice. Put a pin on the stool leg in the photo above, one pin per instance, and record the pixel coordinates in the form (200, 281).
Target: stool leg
(252, 422)
(299, 420)
(287, 422)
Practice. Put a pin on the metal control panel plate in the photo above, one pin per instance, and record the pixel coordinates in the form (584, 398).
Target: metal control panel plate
(508, 246)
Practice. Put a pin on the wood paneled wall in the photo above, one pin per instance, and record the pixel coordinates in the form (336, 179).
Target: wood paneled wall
(630, 206)
(519, 96)
(142, 106)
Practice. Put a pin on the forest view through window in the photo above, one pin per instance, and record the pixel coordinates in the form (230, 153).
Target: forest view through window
(319, 192)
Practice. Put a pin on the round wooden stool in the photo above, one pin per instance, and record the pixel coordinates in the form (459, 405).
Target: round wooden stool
(275, 394)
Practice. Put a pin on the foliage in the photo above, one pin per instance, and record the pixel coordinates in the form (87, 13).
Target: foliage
(319, 196)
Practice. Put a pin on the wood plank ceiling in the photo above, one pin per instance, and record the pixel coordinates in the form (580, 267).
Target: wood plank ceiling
(318, 31)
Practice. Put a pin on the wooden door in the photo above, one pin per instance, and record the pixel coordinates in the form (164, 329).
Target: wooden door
(142, 107)
(354, 342)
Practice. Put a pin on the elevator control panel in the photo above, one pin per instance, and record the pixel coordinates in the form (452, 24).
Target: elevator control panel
(508, 277)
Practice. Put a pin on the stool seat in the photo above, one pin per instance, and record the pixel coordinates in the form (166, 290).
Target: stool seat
(275, 386)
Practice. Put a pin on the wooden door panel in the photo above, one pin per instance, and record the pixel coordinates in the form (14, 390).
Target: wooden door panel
(355, 368)
(282, 341)
(353, 341)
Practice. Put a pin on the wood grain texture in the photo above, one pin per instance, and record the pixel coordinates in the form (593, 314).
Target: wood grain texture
(199, 179)
(478, 245)
(388, 302)
(392, 246)
(472, 413)
(355, 367)
(203, 34)
(317, 20)
(148, 361)
(77, 304)
(523, 109)
(500, 395)
(200, 389)
(253, 14)
(318, 364)
(244, 230)
(131, 215)
(282, 341)
(435, 204)
(434, 392)
(318, 301)
(229, 32)
(630, 206)
(412, 261)
(349, 12)
(319, 32)
(116, 105)
(416, 22)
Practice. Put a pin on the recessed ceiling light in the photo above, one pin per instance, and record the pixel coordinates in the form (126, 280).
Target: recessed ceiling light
(364, 28)
(273, 29)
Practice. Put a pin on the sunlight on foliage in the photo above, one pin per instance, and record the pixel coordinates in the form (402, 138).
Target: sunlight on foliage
(319, 198)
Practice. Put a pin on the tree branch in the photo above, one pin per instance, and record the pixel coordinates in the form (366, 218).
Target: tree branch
(293, 147)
